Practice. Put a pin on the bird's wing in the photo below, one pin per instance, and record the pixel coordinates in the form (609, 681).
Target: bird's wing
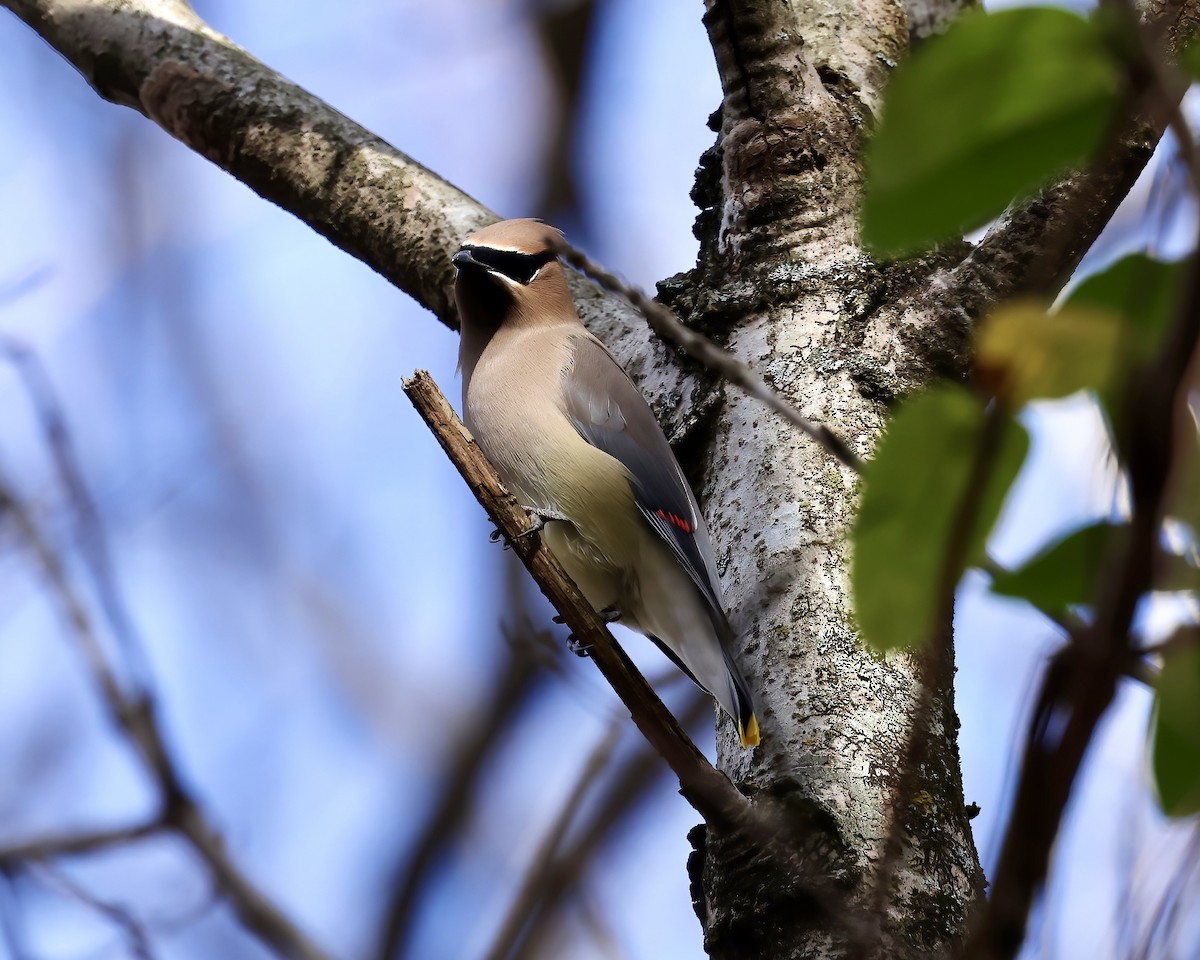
(610, 413)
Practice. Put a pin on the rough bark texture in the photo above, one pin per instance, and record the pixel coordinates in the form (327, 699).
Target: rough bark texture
(784, 283)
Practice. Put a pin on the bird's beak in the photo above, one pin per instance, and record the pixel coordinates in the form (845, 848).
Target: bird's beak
(463, 260)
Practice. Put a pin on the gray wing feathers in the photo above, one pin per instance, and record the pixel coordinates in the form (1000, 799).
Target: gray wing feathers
(611, 414)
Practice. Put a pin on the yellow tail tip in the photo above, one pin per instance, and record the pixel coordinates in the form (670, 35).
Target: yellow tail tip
(749, 733)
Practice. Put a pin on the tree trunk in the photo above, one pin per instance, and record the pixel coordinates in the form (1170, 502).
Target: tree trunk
(783, 283)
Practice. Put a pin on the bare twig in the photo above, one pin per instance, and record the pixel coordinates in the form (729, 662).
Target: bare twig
(664, 322)
(90, 530)
(135, 717)
(1081, 680)
(11, 933)
(1169, 903)
(132, 930)
(597, 924)
(452, 805)
(635, 777)
(74, 844)
(529, 894)
(1185, 637)
(706, 789)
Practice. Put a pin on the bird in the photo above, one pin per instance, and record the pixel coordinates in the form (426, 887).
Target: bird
(573, 439)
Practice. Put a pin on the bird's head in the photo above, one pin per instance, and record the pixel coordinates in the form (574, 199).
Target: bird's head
(509, 276)
(519, 256)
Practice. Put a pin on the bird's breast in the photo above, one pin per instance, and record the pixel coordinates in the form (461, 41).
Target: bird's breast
(514, 407)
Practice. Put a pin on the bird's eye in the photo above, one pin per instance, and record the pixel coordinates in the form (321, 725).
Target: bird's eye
(519, 267)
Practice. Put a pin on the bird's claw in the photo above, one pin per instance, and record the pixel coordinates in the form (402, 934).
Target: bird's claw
(578, 647)
(540, 519)
(536, 527)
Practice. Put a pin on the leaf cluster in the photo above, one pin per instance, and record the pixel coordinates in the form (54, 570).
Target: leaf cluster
(979, 118)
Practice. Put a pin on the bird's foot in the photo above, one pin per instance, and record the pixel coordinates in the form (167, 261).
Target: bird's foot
(581, 648)
(578, 647)
(540, 519)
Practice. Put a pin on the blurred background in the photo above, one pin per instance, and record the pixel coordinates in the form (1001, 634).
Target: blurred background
(404, 770)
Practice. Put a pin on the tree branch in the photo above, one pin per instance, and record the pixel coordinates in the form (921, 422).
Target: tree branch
(1081, 681)
(452, 806)
(135, 716)
(369, 199)
(89, 533)
(290, 147)
(133, 932)
(532, 888)
(1033, 249)
(74, 844)
(699, 347)
(702, 786)
(630, 786)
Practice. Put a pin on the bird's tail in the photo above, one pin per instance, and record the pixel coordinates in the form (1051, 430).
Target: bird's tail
(747, 721)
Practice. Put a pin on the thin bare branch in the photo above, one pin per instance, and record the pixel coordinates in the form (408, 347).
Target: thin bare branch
(132, 930)
(75, 844)
(1185, 637)
(635, 777)
(89, 528)
(452, 805)
(135, 717)
(530, 891)
(664, 322)
(1166, 912)
(700, 783)
(601, 930)
(11, 933)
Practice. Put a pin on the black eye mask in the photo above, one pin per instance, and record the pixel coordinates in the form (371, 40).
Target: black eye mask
(519, 267)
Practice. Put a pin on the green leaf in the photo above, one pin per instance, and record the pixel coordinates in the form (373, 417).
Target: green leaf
(981, 116)
(1064, 574)
(1176, 753)
(912, 492)
(1024, 353)
(1145, 293)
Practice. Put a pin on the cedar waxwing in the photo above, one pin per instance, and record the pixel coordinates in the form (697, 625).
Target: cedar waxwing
(573, 439)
